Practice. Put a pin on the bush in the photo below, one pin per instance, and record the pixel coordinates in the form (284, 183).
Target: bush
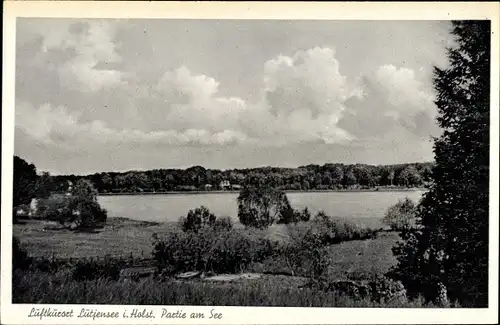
(92, 269)
(20, 258)
(286, 213)
(305, 215)
(384, 290)
(335, 230)
(46, 265)
(74, 212)
(223, 223)
(211, 250)
(401, 216)
(201, 218)
(290, 215)
(304, 252)
(197, 219)
(235, 251)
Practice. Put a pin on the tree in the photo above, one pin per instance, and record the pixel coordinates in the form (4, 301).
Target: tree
(107, 182)
(409, 177)
(449, 248)
(25, 177)
(45, 185)
(337, 175)
(75, 212)
(363, 176)
(349, 178)
(85, 189)
(262, 206)
(390, 177)
(79, 211)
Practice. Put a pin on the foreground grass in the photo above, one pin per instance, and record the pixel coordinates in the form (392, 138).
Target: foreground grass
(38, 287)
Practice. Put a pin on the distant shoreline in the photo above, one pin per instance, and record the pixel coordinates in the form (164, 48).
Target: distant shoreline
(403, 189)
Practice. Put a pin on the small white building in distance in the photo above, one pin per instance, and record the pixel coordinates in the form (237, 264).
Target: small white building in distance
(224, 185)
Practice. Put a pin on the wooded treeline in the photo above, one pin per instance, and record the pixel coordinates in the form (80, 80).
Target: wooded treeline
(310, 177)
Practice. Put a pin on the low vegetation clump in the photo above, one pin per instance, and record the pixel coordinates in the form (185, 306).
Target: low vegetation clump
(209, 250)
(92, 269)
(401, 216)
(336, 230)
(294, 216)
(304, 253)
(201, 218)
(20, 258)
(209, 244)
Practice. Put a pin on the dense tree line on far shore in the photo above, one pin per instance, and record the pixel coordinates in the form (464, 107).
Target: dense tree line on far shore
(310, 177)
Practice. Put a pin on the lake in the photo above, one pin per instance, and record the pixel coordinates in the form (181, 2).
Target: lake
(365, 208)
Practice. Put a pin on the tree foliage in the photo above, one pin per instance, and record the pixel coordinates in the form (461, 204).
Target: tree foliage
(262, 206)
(25, 179)
(20, 258)
(310, 177)
(449, 248)
(85, 189)
(198, 218)
(75, 212)
(401, 216)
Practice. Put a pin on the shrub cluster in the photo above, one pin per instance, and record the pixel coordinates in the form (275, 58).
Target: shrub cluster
(384, 290)
(305, 253)
(210, 244)
(291, 215)
(401, 216)
(336, 230)
(200, 218)
(210, 250)
(380, 290)
(92, 269)
(20, 258)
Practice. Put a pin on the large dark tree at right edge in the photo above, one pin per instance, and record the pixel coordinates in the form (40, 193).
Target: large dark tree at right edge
(449, 247)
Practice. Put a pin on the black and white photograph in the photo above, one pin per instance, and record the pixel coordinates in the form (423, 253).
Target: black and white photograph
(251, 163)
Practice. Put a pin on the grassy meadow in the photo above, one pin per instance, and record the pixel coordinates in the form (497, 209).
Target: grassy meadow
(118, 237)
(348, 260)
(351, 260)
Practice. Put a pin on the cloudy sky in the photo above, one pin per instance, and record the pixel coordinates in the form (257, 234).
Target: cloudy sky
(103, 95)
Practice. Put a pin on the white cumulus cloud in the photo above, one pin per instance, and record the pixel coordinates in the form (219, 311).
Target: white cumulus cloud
(304, 98)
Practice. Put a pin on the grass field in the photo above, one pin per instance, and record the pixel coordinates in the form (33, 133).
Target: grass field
(118, 237)
(357, 259)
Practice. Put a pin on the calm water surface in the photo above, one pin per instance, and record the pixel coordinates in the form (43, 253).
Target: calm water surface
(366, 208)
